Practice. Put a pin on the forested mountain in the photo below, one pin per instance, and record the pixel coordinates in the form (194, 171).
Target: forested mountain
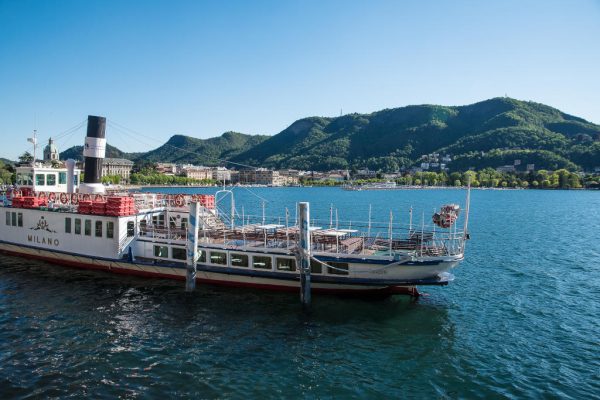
(76, 153)
(183, 149)
(186, 149)
(489, 133)
(486, 134)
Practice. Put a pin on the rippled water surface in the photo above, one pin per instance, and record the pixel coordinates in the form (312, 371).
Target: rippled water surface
(521, 320)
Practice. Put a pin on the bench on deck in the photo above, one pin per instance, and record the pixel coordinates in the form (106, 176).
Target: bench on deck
(350, 245)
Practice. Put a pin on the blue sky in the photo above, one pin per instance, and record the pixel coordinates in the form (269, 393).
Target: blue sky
(202, 68)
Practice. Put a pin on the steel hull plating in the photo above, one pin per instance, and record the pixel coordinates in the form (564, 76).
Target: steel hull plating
(205, 274)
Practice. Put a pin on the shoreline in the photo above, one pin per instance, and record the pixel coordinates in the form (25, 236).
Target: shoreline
(140, 187)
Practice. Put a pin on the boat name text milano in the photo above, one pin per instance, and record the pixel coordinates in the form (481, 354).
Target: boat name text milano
(43, 240)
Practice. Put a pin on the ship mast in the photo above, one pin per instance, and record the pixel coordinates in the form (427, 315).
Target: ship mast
(33, 140)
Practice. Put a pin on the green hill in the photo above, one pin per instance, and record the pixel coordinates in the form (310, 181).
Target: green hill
(186, 149)
(76, 153)
(490, 133)
(392, 138)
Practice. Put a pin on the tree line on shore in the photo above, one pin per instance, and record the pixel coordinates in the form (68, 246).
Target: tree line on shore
(488, 177)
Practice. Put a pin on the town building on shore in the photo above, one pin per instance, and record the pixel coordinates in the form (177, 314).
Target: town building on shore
(289, 177)
(117, 166)
(221, 174)
(260, 176)
(197, 172)
(365, 173)
(167, 168)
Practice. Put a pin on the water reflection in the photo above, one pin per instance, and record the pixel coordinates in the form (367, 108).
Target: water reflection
(119, 334)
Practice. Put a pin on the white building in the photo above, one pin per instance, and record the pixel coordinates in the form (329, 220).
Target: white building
(117, 166)
(221, 174)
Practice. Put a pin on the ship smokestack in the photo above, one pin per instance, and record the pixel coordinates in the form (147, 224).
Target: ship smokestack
(93, 153)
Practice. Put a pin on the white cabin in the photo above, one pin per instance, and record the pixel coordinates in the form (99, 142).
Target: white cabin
(43, 178)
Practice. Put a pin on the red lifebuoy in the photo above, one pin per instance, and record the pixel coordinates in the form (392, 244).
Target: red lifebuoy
(86, 197)
(52, 196)
(74, 198)
(179, 200)
(63, 198)
(42, 195)
(98, 197)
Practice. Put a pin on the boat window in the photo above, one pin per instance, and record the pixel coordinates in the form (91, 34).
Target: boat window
(285, 264)
(216, 257)
(51, 180)
(179, 253)
(62, 178)
(68, 225)
(40, 179)
(98, 228)
(87, 230)
(261, 262)
(158, 220)
(8, 218)
(77, 226)
(14, 219)
(25, 179)
(110, 230)
(338, 266)
(161, 251)
(143, 226)
(316, 267)
(184, 223)
(202, 255)
(20, 219)
(76, 179)
(172, 222)
(239, 260)
(130, 228)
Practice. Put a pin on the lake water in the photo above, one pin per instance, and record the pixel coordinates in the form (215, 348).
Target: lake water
(521, 320)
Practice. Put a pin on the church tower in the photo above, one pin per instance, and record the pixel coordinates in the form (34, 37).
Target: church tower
(50, 151)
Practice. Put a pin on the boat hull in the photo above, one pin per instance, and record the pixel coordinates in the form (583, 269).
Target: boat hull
(226, 278)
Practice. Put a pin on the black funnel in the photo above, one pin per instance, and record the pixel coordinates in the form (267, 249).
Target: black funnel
(94, 149)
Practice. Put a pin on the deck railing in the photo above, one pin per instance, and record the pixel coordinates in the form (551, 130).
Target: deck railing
(345, 238)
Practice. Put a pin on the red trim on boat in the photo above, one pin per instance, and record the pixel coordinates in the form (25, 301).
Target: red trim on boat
(389, 290)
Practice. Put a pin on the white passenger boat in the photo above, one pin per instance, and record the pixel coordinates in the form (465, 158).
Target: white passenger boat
(51, 217)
